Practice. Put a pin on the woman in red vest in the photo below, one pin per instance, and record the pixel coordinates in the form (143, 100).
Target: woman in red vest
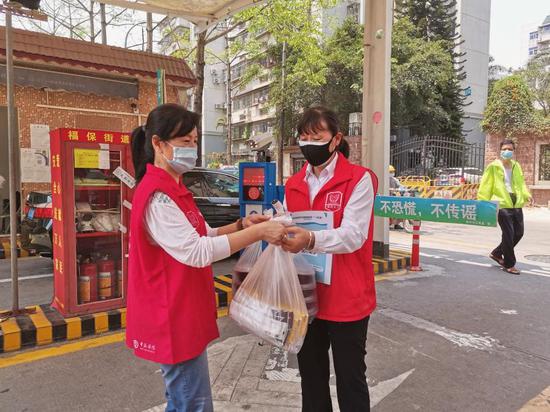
(171, 314)
(329, 182)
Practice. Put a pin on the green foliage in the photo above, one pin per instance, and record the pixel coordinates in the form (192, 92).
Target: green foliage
(435, 21)
(538, 78)
(510, 111)
(215, 160)
(343, 90)
(291, 22)
(420, 71)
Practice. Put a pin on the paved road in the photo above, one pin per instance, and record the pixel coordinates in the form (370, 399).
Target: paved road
(460, 336)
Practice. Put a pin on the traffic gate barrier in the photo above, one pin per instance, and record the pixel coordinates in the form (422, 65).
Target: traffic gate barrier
(415, 181)
(464, 192)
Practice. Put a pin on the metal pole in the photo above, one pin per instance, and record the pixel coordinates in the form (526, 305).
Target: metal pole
(282, 123)
(12, 152)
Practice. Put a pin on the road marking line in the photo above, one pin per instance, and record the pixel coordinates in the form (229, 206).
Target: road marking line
(535, 273)
(47, 275)
(60, 350)
(430, 256)
(544, 272)
(467, 340)
(386, 276)
(469, 262)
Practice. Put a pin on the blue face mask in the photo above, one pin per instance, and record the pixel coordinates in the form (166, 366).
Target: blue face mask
(506, 154)
(183, 158)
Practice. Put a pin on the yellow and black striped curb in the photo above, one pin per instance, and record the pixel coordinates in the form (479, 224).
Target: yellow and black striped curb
(46, 326)
(5, 250)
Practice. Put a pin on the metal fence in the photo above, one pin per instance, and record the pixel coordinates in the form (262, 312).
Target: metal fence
(442, 159)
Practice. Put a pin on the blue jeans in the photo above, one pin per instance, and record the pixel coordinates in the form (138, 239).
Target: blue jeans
(188, 386)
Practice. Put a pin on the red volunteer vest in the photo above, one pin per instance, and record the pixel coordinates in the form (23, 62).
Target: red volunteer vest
(351, 295)
(171, 314)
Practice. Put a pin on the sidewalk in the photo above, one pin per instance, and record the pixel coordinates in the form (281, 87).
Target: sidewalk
(245, 374)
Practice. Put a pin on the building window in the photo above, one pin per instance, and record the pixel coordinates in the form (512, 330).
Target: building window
(533, 51)
(534, 35)
(544, 163)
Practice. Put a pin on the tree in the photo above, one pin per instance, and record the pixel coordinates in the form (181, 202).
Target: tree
(296, 25)
(436, 20)
(537, 76)
(496, 72)
(196, 48)
(420, 71)
(510, 111)
(76, 19)
(344, 80)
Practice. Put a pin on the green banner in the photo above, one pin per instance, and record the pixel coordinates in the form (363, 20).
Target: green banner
(161, 86)
(466, 212)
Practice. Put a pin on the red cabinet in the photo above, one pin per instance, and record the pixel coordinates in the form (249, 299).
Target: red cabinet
(91, 212)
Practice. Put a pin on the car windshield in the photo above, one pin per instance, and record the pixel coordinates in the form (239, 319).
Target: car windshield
(222, 185)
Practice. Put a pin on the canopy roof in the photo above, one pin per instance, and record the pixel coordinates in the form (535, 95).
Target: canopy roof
(203, 13)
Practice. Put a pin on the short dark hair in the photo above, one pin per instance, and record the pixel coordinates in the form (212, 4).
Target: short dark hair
(313, 118)
(508, 141)
(165, 121)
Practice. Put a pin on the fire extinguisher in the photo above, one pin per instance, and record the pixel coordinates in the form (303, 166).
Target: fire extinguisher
(107, 277)
(87, 282)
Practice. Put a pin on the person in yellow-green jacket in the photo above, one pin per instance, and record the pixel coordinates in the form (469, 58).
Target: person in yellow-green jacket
(503, 181)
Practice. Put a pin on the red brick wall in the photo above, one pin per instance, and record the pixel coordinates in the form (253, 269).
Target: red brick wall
(526, 155)
(27, 99)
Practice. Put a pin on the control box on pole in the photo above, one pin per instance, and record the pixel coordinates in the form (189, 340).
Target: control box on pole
(257, 187)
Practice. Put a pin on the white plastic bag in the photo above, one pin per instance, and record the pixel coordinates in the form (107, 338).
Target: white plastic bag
(244, 264)
(306, 277)
(270, 303)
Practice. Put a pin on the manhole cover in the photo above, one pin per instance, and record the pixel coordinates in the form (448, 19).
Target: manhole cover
(539, 258)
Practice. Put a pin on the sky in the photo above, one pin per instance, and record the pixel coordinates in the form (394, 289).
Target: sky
(511, 22)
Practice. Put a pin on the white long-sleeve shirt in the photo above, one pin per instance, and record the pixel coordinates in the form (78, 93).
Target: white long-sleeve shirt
(354, 229)
(169, 228)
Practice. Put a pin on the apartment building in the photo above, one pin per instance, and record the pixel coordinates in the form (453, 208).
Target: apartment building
(252, 118)
(214, 106)
(539, 39)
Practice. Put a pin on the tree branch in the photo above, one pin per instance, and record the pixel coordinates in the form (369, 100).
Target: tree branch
(230, 29)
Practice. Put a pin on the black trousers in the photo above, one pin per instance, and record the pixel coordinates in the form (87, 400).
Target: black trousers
(348, 341)
(511, 223)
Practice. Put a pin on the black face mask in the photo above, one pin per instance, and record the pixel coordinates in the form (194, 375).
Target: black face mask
(316, 155)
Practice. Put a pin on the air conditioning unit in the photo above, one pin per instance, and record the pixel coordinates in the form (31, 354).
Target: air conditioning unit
(220, 106)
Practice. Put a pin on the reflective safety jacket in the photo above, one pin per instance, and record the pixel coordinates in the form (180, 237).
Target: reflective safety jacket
(493, 187)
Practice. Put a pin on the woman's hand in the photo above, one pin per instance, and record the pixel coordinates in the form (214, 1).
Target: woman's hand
(298, 242)
(271, 232)
(254, 219)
